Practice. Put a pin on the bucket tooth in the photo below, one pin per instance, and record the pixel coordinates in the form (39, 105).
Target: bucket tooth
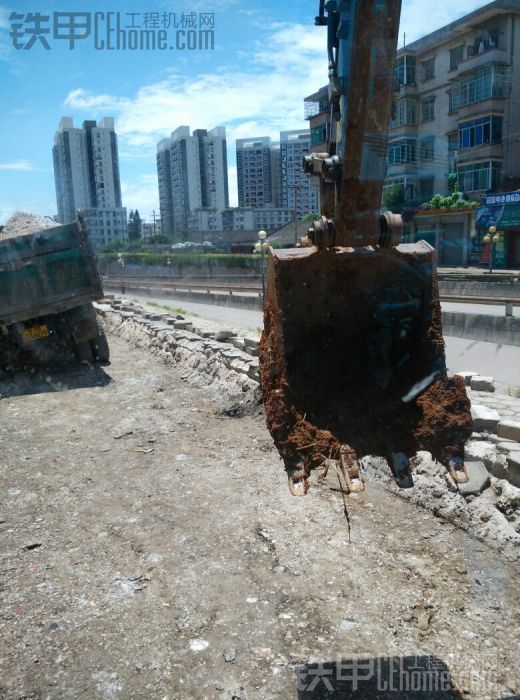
(457, 469)
(298, 483)
(400, 465)
(350, 470)
(336, 362)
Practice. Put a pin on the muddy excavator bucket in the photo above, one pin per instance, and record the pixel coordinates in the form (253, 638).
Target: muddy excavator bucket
(352, 362)
(352, 357)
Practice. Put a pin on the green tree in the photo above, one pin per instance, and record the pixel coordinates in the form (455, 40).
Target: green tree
(393, 198)
(452, 183)
(114, 247)
(134, 225)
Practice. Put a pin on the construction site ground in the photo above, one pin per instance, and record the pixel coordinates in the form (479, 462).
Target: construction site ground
(150, 549)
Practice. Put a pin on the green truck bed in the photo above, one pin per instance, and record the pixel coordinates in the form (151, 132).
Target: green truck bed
(46, 272)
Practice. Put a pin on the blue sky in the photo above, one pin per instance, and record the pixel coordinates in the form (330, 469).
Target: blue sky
(268, 56)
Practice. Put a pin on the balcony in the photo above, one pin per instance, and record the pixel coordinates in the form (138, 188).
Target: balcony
(486, 151)
(491, 105)
(488, 83)
(406, 90)
(478, 60)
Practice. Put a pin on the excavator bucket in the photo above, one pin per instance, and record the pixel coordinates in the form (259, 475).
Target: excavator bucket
(352, 362)
(352, 358)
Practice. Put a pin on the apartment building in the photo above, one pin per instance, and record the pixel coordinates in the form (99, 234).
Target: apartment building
(192, 175)
(457, 106)
(258, 178)
(86, 176)
(299, 194)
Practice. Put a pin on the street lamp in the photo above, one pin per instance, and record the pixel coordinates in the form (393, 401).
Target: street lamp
(260, 248)
(491, 237)
(121, 263)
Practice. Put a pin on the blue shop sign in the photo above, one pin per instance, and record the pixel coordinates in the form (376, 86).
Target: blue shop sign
(505, 198)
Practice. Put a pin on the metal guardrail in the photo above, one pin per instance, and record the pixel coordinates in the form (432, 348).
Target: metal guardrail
(468, 299)
(208, 288)
(132, 283)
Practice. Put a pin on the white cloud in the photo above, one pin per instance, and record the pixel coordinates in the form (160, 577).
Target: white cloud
(20, 165)
(4, 18)
(419, 18)
(82, 100)
(262, 99)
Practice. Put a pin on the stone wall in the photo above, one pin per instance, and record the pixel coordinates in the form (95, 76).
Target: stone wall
(227, 373)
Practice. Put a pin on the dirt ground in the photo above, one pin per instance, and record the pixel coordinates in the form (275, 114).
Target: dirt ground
(149, 548)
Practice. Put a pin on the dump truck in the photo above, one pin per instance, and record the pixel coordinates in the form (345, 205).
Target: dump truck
(48, 281)
(352, 359)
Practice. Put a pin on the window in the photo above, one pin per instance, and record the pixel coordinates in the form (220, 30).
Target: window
(479, 176)
(428, 69)
(404, 71)
(479, 131)
(426, 188)
(428, 109)
(428, 148)
(404, 112)
(456, 56)
(453, 142)
(485, 41)
(406, 182)
(402, 151)
(319, 134)
(489, 81)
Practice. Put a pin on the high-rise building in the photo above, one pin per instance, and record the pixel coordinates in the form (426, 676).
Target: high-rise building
(165, 185)
(86, 174)
(257, 172)
(298, 192)
(192, 175)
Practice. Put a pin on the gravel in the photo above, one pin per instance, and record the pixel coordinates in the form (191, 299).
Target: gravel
(22, 223)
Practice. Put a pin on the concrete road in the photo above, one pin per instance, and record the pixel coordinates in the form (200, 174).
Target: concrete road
(491, 359)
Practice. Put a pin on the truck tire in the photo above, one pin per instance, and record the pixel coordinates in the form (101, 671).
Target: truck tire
(83, 353)
(100, 349)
